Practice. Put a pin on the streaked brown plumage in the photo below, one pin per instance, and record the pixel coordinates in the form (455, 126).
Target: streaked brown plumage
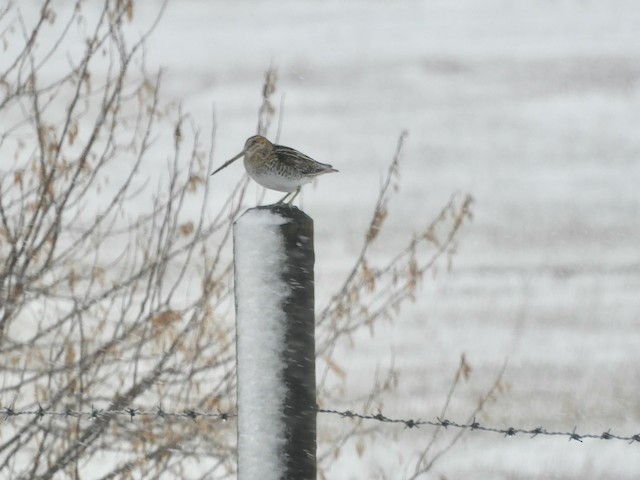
(278, 167)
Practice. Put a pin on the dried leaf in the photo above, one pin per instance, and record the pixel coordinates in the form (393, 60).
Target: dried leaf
(49, 15)
(70, 355)
(430, 236)
(465, 368)
(166, 318)
(194, 181)
(270, 82)
(336, 453)
(186, 228)
(414, 275)
(333, 366)
(99, 275)
(86, 79)
(376, 224)
(73, 279)
(16, 293)
(18, 177)
(368, 277)
(73, 132)
(51, 191)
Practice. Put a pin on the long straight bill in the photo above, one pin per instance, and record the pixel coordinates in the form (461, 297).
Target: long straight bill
(228, 162)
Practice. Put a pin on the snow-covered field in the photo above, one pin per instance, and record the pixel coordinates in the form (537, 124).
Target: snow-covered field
(532, 107)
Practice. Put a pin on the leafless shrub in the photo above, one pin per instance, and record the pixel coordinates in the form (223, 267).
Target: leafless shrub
(115, 293)
(105, 303)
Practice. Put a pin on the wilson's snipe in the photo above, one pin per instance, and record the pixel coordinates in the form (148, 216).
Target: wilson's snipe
(278, 168)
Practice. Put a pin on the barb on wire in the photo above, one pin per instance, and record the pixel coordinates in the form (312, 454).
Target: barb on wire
(476, 426)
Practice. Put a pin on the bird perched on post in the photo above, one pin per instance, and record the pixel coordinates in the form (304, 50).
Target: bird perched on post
(277, 167)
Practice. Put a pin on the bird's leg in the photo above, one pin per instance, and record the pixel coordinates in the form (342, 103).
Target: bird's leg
(294, 196)
(284, 198)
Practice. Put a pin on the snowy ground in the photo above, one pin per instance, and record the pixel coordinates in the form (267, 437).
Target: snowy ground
(533, 107)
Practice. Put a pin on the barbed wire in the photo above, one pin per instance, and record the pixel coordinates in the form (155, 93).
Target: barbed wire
(96, 413)
(477, 426)
(194, 415)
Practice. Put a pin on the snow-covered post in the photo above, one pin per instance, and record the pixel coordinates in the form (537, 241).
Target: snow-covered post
(273, 255)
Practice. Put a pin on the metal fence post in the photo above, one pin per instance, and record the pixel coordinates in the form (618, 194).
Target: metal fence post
(275, 340)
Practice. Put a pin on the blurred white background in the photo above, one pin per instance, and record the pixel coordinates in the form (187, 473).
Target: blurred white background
(532, 107)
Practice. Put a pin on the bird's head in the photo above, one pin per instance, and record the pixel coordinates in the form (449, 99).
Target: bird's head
(256, 143)
(252, 145)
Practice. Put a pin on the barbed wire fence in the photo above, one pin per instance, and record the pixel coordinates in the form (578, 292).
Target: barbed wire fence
(132, 413)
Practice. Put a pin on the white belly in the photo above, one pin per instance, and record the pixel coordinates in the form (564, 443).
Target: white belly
(277, 182)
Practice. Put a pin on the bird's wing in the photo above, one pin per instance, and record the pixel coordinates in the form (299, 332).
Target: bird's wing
(300, 161)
